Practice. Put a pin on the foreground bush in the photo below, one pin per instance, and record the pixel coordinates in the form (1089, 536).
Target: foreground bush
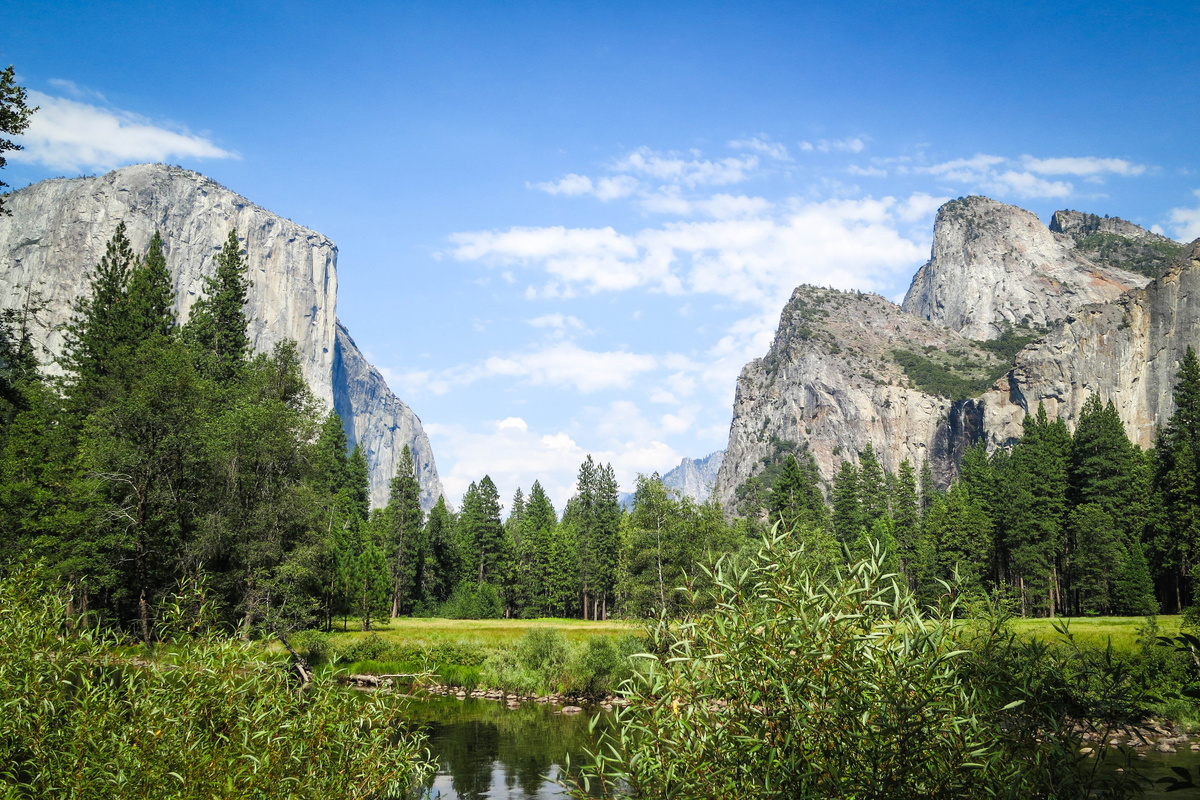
(82, 717)
(796, 686)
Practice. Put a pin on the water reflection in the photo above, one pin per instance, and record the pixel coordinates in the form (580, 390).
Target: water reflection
(486, 750)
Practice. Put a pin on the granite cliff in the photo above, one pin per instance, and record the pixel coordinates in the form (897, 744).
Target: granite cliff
(1127, 351)
(996, 266)
(846, 370)
(58, 230)
(1007, 313)
(694, 477)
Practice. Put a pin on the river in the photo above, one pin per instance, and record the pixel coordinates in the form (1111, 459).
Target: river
(486, 750)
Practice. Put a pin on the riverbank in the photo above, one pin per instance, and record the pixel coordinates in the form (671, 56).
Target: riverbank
(521, 658)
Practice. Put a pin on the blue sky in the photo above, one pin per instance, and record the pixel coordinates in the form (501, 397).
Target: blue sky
(564, 227)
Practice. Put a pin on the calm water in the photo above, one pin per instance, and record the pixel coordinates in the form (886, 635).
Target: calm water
(484, 749)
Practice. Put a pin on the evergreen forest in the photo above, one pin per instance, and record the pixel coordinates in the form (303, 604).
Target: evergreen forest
(166, 450)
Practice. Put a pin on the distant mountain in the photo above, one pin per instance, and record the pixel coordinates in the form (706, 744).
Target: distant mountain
(694, 478)
(58, 230)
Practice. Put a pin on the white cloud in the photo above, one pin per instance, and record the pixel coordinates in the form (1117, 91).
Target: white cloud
(687, 172)
(965, 170)
(558, 321)
(727, 206)
(569, 185)
(605, 189)
(1082, 167)
(600, 258)
(1026, 184)
(567, 364)
(919, 206)
(867, 172)
(1185, 222)
(560, 363)
(854, 145)
(756, 258)
(1023, 177)
(764, 145)
(513, 455)
(71, 135)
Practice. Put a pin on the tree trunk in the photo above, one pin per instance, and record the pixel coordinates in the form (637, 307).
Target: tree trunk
(585, 603)
(1053, 584)
(145, 617)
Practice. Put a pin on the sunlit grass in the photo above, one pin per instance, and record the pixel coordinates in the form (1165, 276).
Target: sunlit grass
(1095, 631)
(491, 635)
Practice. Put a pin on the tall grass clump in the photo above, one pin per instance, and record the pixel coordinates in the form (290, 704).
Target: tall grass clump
(198, 716)
(537, 664)
(803, 685)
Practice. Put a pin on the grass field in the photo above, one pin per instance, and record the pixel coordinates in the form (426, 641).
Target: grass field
(1095, 631)
(487, 633)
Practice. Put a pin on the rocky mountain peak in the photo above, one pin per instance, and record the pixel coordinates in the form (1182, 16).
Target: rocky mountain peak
(995, 267)
(1115, 242)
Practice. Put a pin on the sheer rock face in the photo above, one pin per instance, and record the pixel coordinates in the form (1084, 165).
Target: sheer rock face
(694, 477)
(995, 266)
(390, 425)
(58, 231)
(1127, 351)
(830, 383)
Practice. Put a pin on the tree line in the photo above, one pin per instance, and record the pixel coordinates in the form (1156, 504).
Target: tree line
(167, 450)
(1062, 523)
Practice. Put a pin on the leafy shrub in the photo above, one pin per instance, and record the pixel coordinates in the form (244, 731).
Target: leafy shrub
(82, 719)
(472, 601)
(798, 686)
(369, 648)
(539, 662)
(315, 646)
(593, 670)
(505, 670)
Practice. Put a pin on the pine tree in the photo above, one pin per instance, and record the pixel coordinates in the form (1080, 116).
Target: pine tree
(98, 337)
(960, 533)
(1098, 558)
(929, 490)
(906, 519)
(539, 525)
(872, 488)
(358, 482)
(14, 119)
(847, 509)
(151, 294)
(441, 573)
(404, 523)
(217, 325)
(796, 498)
(482, 533)
(607, 539)
(1175, 534)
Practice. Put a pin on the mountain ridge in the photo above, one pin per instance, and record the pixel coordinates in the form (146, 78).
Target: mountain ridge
(57, 232)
